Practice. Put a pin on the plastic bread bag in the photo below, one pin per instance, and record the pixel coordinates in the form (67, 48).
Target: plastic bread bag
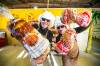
(66, 43)
(36, 45)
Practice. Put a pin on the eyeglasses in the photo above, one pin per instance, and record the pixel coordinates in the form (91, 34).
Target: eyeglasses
(43, 19)
(60, 27)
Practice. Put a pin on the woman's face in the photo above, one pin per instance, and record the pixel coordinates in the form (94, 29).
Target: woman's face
(45, 22)
(61, 29)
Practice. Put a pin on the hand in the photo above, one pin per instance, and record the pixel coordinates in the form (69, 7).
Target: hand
(53, 45)
(43, 57)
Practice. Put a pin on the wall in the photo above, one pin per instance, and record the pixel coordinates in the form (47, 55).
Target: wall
(32, 14)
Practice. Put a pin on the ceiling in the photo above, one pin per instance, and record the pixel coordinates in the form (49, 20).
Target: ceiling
(50, 3)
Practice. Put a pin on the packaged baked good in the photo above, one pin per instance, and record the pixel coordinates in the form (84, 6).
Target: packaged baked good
(36, 45)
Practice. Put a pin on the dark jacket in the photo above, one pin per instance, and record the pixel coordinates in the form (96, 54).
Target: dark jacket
(58, 37)
(45, 32)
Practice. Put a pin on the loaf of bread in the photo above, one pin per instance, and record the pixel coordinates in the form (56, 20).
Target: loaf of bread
(36, 45)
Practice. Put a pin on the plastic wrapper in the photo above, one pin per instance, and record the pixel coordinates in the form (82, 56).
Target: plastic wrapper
(36, 45)
(68, 16)
(65, 44)
(83, 19)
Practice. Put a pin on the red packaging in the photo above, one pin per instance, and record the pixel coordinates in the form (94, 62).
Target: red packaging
(63, 47)
(83, 19)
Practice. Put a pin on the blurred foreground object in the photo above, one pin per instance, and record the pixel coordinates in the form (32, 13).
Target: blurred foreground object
(31, 39)
(36, 45)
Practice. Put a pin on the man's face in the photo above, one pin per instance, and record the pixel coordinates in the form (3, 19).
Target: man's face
(61, 29)
(45, 22)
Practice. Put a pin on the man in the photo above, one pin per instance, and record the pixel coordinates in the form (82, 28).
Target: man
(66, 43)
(46, 21)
